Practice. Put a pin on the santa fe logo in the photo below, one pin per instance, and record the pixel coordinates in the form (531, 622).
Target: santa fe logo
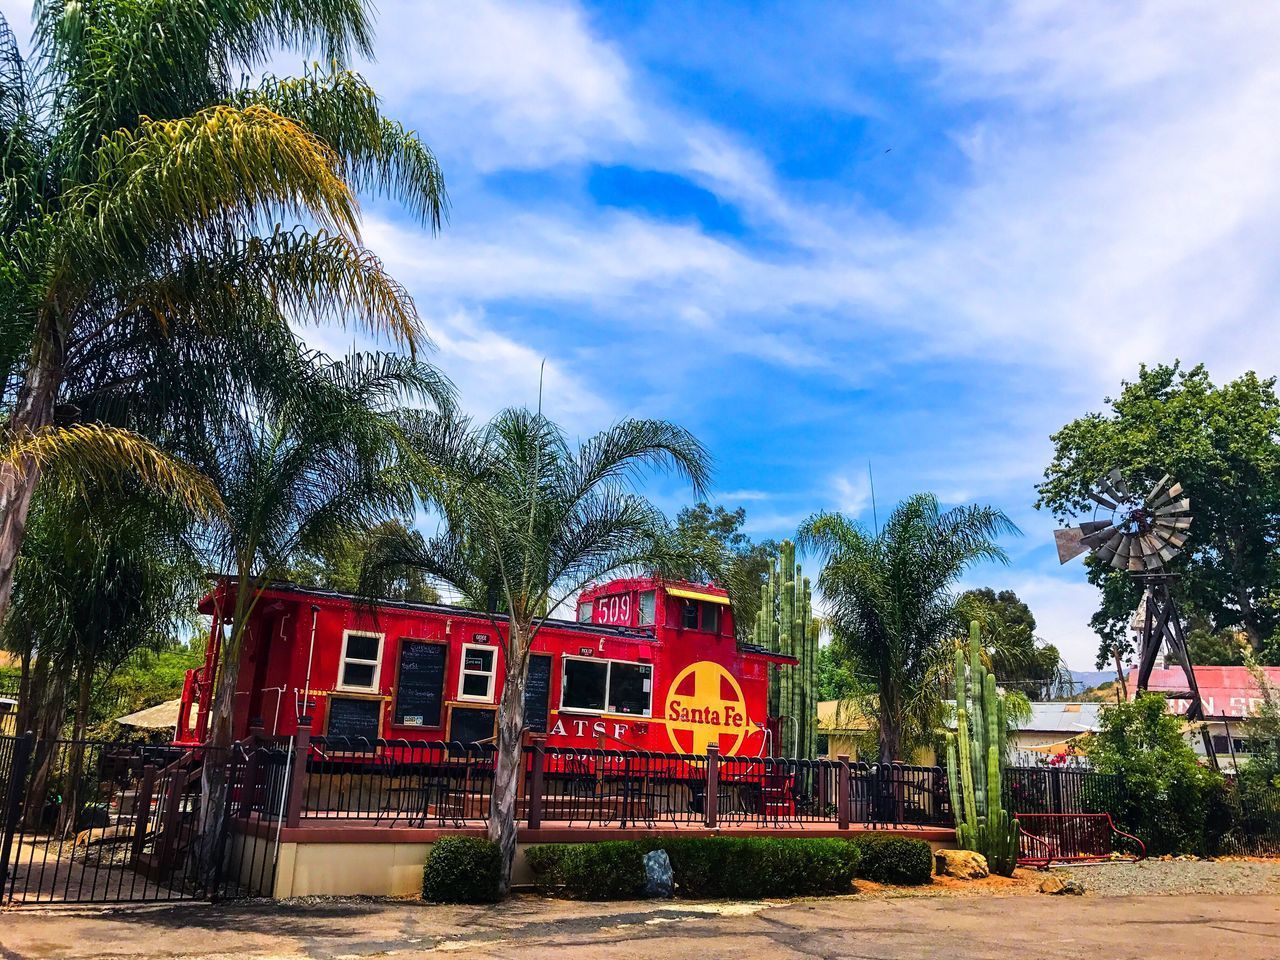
(705, 705)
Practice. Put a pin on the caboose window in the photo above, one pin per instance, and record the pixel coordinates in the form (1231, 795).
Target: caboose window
(360, 657)
(478, 670)
(584, 684)
(584, 612)
(710, 617)
(648, 607)
(630, 685)
(689, 615)
(590, 685)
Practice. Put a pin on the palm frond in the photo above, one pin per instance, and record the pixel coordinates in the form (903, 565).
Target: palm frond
(87, 452)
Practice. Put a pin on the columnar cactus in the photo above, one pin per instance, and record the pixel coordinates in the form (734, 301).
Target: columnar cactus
(975, 763)
(785, 625)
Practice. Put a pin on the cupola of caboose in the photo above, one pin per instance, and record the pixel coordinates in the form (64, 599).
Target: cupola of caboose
(649, 604)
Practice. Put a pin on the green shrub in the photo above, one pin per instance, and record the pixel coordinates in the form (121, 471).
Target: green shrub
(751, 867)
(896, 860)
(703, 867)
(462, 870)
(608, 870)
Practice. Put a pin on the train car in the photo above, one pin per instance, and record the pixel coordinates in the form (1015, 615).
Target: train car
(647, 665)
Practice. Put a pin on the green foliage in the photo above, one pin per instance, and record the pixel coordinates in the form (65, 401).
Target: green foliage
(608, 870)
(716, 550)
(338, 564)
(743, 868)
(1167, 794)
(891, 609)
(1009, 635)
(900, 861)
(785, 625)
(739, 868)
(1223, 444)
(836, 678)
(975, 762)
(462, 870)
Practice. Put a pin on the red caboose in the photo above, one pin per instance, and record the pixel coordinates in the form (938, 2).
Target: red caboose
(648, 664)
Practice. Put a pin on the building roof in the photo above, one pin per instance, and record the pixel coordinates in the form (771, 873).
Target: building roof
(1070, 718)
(1229, 692)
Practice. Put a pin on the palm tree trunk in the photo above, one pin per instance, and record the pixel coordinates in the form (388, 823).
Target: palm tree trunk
(890, 734)
(32, 412)
(510, 752)
(49, 709)
(213, 773)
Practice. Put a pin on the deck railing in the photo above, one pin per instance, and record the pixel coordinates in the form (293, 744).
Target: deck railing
(402, 783)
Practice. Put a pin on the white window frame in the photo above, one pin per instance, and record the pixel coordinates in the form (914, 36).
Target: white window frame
(491, 674)
(343, 660)
(653, 617)
(608, 681)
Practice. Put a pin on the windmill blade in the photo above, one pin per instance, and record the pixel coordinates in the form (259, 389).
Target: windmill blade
(1098, 537)
(1171, 494)
(1169, 551)
(1172, 523)
(1178, 506)
(1100, 499)
(1118, 484)
(1068, 543)
(1156, 489)
(1093, 526)
(1108, 550)
(1107, 485)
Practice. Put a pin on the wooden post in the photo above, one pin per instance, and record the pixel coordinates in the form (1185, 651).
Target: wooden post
(142, 811)
(249, 788)
(298, 775)
(712, 804)
(842, 794)
(536, 774)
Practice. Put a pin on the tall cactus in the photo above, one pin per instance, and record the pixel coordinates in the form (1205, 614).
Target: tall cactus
(975, 763)
(785, 625)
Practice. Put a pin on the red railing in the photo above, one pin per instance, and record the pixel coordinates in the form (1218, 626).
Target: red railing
(1046, 838)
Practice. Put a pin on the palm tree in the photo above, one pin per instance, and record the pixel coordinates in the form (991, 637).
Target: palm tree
(141, 182)
(527, 520)
(889, 602)
(324, 467)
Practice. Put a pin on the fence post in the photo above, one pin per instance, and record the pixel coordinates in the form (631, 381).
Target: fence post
(536, 773)
(12, 809)
(142, 811)
(298, 775)
(253, 747)
(842, 793)
(712, 806)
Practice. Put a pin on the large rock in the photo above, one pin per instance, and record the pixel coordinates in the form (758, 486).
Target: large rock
(657, 875)
(1057, 886)
(961, 864)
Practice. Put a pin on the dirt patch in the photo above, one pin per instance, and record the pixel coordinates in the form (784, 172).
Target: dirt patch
(1022, 881)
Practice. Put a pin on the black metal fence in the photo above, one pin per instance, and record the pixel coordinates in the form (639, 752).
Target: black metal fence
(1248, 817)
(89, 821)
(1039, 790)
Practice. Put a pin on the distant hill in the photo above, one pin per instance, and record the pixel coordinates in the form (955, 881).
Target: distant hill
(1085, 679)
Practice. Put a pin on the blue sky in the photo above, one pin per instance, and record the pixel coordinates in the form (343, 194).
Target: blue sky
(825, 235)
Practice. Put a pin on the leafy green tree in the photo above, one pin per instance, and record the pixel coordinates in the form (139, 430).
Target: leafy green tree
(142, 178)
(719, 551)
(527, 521)
(337, 565)
(837, 679)
(1017, 656)
(1223, 444)
(322, 470)
(1167, 794)
(890, 606)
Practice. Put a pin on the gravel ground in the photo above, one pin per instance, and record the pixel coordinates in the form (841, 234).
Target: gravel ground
(1178, 877)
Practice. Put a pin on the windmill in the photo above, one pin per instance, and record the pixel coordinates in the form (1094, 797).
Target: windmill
(1141, 534)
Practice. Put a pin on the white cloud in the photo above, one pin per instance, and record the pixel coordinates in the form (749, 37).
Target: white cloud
(1062, 607)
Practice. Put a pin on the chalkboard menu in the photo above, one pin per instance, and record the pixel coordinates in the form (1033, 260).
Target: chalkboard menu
(354, 717)
(470, 725)
(537, 693)
(419, 684)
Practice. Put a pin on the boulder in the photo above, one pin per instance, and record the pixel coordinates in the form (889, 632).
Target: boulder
(657, 875)
(961, 864)
(1058, 886)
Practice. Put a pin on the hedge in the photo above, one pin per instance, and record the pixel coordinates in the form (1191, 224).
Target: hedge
(895, 860)
(702, 867)
(463, 870)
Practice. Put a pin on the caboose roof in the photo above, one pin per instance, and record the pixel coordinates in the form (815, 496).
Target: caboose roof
(281, 589)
